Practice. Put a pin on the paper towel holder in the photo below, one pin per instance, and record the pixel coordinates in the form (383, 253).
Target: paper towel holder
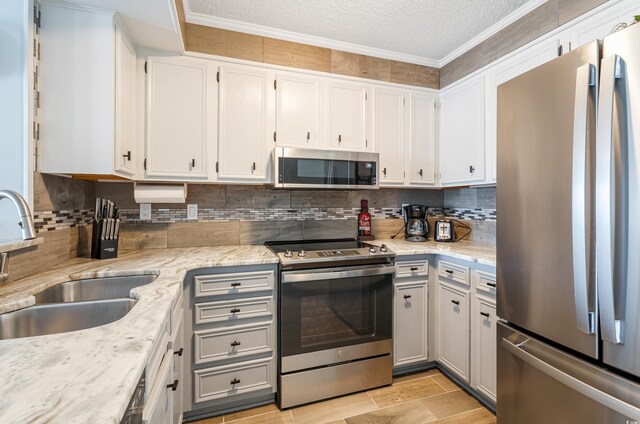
(160, 193)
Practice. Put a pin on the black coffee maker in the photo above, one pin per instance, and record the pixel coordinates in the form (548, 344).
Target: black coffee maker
(416, 226)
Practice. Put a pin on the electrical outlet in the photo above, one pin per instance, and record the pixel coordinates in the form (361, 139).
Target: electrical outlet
(192, 211)
(145, 211)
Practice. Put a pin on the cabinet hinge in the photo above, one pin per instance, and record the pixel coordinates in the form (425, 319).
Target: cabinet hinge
(274, 136)
(37, 17)
(145, 164)
(217, 167)
(218, 76)
(275, 84)
(145, 67)
(37, 99)
(36, 131)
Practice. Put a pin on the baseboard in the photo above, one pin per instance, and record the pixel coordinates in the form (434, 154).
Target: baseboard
(202, 414)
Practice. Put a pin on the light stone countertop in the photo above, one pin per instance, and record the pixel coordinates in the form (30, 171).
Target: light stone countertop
(88, 376)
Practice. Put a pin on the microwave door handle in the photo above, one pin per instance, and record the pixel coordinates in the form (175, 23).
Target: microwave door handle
(612, 74)
(585, 86)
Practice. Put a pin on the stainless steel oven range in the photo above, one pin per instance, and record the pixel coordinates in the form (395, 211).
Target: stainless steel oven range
(335, 311)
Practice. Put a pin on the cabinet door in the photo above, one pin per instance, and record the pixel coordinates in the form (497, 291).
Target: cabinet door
(410, 324)
(422, 140)
(462, 141)
(389, 135)
(125, 117)
(158, 408)
(177, 344)
(485, 348)
(298, 112)
(347, 114)
(246, 123)
(177, 122)
(453, 329)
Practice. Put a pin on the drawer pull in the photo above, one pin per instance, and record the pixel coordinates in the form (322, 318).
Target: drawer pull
(491, 285)
(407, 296)
(414, 268)
(235, 310)
(235, 343)
(179, 352)
(455, 302)
(235, 381)
(236, 284)
(449, 271)
(173, 386)
(485, 314)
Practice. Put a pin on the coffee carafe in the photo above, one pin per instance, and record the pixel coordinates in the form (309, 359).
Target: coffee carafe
(416, 225)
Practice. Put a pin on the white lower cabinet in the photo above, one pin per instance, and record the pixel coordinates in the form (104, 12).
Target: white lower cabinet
(158, 408)
(410, 323)
(177, 345)
(484, 325)
(453, 328)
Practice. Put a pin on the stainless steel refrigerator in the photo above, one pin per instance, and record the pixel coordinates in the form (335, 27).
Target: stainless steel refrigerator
(568, 238)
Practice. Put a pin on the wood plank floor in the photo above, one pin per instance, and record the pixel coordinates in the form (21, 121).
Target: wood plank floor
(427, 397)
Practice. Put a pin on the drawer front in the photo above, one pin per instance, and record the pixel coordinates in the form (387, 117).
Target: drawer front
(486, 282)
(222, 344)
(453, 272)
(232, 312)
(228, 284)
(155, 359)
(222, 382)
(412, 269)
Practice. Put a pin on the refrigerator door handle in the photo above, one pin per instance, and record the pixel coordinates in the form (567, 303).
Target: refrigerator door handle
(612, 70)
(579, 386)
(585, 86)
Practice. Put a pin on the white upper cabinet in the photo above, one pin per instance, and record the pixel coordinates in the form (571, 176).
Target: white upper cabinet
(125, 140)
(177, 112)
(462, 136)
(246, 123)
(389, 135)
(87, 94)
(298, 111)
(421, 160)
(347, 116)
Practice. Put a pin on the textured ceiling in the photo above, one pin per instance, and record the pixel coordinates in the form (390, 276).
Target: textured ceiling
(425, 28)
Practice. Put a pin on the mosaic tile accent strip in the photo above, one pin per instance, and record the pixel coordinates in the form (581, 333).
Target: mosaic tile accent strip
(54, 220)
(471, 214)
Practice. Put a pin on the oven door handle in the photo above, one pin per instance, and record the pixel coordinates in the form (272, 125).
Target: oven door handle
(299, 277)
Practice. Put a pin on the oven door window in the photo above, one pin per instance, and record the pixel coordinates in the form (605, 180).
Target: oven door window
(318, 315)
(326, 172)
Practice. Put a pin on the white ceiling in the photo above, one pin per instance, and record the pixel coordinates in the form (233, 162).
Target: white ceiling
(426, 30)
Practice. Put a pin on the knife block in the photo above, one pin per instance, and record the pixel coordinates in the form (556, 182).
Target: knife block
(102, 248)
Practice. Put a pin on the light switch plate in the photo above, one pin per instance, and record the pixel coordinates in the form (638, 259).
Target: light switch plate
(145, 211)
(192, 211)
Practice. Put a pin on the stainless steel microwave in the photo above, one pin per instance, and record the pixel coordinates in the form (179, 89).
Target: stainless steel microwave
(306, 168)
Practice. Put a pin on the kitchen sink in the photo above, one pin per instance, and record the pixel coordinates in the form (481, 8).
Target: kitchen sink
(93, 289)
(54, 318)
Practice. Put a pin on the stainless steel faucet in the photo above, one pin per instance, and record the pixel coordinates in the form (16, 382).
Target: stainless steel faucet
(26, 220)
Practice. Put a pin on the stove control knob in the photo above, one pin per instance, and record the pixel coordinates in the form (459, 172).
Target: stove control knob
(372, 249)
(288, 254)
(383, 248)
(302, 253)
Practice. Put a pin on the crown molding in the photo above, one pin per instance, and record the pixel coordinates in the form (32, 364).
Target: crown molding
(264, 31)
(492, 30)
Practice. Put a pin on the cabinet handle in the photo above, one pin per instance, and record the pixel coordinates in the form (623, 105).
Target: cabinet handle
(339, 138)
(179, 352)
(384, 171)
(193, 163)
(235, 343)
(128, 155)
(485, 314)
(471, 169)
(235, 310)
(407, 296)
(308, 136)
(236, 284)
(253, 167)
(173, 386)
(235, 381)
(455, 302)
(491, 285)
(449, 271)
(414, 268)
(420, 172)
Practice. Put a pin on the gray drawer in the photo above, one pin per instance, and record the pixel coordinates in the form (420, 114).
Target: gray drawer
(236, 283)
(237, 344)
(230, 380)
(234, 311)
